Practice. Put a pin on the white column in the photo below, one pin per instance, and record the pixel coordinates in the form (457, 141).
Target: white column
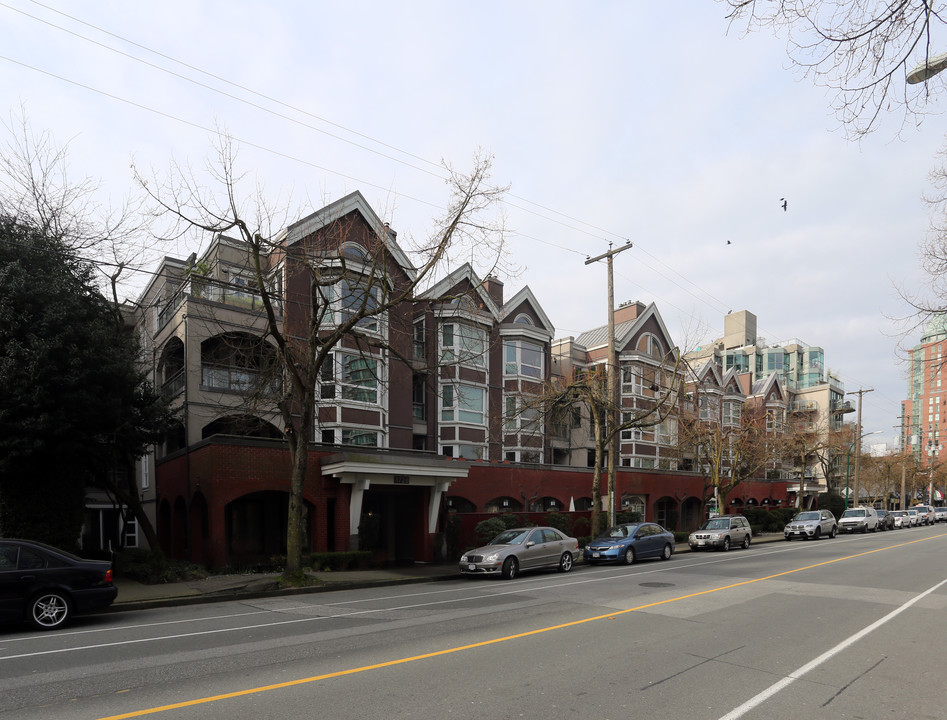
(437, 491)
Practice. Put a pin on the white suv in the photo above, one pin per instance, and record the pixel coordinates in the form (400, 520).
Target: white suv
(925, 514)
(861, 519)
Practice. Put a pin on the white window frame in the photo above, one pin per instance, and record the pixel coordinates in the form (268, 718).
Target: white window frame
(468, 344)
(333, 375)
(514, 363)
(453, 412)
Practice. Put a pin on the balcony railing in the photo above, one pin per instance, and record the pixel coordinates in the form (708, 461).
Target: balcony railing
(214, 291)
(173, 386)
(234, 379)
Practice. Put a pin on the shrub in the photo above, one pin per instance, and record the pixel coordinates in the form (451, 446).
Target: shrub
(488, 529)
(560, 521)
(152, 568)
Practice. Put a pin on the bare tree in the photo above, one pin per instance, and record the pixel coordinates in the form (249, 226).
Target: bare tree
(343, 285)
(860, 50)
(589, 388)
(35, 184)
(726, 453)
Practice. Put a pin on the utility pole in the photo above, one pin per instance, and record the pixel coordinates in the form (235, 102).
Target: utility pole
(611, 370)
(858, 437)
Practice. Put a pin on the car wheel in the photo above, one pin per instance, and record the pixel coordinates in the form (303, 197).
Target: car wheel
(511, 568)
(833, 532)
(865, 529)
(629, 556)
(726, 543)
(746, 542)
(818, 533)
(666, 554)
(49, 610)
(565, 562)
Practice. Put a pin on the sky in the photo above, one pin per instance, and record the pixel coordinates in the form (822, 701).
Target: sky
(610, 122)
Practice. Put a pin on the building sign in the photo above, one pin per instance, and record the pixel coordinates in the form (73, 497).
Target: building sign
(402, 479)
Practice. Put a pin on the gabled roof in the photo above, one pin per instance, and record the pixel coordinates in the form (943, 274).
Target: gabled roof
(625, 331)
(333, 211)
(708, 370)
(526, 295)
(464, 272)
(767, 387)
(731, 384)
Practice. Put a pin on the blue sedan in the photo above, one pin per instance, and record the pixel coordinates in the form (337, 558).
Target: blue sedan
(630, 542)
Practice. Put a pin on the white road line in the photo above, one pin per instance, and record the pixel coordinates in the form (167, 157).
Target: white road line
(762, 697)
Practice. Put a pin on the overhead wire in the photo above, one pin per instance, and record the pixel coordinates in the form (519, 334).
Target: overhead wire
(575, 224)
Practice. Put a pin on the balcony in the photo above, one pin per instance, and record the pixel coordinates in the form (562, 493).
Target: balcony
(214, 291)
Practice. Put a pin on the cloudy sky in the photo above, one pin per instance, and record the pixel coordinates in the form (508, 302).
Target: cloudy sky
(611, 121)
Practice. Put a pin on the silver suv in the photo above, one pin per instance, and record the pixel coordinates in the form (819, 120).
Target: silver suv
(811, 524)
(861, 519)
(940, 513)
(722, 532)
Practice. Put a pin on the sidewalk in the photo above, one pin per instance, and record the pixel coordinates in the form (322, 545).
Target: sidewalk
(134, 595)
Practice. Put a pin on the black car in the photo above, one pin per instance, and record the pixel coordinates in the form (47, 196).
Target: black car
(45, 586)
(885, 520)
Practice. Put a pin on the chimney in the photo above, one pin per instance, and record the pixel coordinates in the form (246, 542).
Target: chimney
(494, 289)
(628, 311)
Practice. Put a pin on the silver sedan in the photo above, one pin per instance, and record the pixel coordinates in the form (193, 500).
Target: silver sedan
(522, 549)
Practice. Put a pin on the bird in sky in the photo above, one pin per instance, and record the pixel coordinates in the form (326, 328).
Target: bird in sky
(728, 242)
(784, 202)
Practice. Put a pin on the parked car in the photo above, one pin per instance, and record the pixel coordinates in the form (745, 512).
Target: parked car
(925, 514)
(811, 524)
(522, 549)
(913, 519)
(901, 518)
(721, 532)
(940, 514)
(45, 586)
(861, 519)
(629, 542)
(885, 521)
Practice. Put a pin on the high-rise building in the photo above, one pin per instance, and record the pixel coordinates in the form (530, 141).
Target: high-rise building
(924, 412)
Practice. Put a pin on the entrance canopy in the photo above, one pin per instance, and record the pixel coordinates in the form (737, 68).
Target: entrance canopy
(363, 469)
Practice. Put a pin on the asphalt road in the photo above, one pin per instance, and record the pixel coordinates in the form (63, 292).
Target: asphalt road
(847, 628)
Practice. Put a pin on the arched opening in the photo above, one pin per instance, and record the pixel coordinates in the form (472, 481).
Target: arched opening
(690, 514)
(243, 425)
(456, 503)
(171, 368)
(238, 362)
(503, 505)
(583, 504)
(666, 513)
(633, 504)
(179, 529)
(198, 528)
(255, 527)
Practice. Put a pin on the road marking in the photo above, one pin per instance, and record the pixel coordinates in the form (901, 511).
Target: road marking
(762, 697)
(486, 643)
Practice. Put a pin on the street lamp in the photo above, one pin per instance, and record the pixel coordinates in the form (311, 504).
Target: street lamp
(848, 457)
(927, 69)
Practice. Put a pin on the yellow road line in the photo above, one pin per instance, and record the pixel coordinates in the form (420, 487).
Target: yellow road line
(485, 643)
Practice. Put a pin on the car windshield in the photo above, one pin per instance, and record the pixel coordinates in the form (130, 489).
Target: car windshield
(854, 513)
(620, 531)
(511, 537)
(807, 516)
(716, 524)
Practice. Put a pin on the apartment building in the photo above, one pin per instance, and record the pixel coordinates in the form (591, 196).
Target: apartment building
(924, 411)
(429, 408)
(815, 398)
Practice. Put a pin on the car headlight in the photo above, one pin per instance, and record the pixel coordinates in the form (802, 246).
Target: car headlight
(493, 557)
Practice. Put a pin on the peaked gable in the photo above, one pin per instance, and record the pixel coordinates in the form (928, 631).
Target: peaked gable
(463, 277)
(353, 202)
(522, 300)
